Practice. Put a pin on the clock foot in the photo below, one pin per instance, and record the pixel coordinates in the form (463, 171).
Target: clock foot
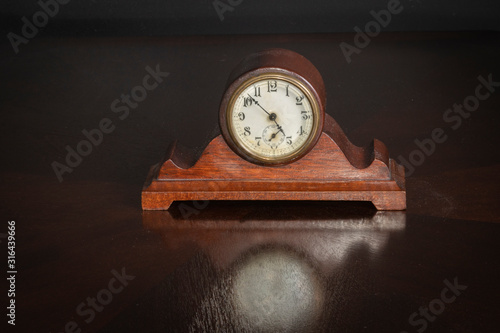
(156, 201)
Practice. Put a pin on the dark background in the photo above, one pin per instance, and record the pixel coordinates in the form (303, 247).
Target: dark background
(162, 17)
(71, 235)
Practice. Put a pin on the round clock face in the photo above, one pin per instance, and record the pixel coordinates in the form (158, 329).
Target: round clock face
(272, 118)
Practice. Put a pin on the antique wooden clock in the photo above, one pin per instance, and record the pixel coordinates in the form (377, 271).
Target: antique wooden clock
(277, 143)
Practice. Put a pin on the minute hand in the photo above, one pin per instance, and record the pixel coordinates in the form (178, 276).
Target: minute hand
(272, 116)
(257, 103)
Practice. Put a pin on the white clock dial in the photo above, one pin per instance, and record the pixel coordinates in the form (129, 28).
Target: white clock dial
(272, 118)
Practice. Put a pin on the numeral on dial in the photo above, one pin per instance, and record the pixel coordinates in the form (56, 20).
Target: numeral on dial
(289, 140)
(247, 101)
(272, 86)
(247, 131)
(301, 131)
(299, 100)
(258, 138)
(241, 115)
(256, 91)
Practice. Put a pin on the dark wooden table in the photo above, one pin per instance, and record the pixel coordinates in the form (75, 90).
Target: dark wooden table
(88, 258)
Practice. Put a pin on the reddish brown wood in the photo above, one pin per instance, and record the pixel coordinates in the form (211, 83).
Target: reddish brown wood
(331, 171)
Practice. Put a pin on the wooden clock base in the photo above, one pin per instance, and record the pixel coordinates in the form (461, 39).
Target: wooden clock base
(334, 170)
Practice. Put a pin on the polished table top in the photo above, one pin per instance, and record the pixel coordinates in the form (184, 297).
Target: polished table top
(89, 259)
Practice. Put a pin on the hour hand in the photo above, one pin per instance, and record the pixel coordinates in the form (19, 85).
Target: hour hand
(280, 129)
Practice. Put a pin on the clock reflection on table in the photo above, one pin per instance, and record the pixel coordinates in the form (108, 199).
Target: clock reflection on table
(267, 266)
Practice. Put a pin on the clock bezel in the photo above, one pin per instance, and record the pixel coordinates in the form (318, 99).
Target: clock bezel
(259, 74)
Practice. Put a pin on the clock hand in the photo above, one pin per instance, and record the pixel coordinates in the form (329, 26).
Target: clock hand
(257, 103)
(280, 129)
(272, 116)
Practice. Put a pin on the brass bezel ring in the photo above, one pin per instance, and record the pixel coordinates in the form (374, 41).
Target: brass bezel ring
(307, 93)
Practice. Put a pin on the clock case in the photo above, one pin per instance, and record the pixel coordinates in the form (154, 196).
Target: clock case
(331, 168)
